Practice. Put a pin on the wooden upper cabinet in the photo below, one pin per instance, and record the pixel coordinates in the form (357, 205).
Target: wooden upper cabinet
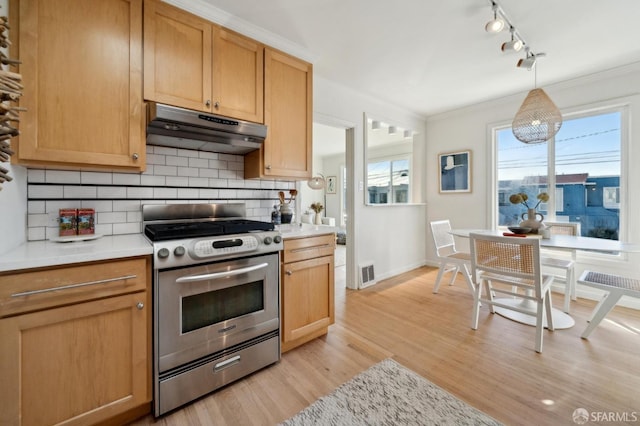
(238, 76)
(177, 57)
(192, 63)
(82, 75)
(288, 114)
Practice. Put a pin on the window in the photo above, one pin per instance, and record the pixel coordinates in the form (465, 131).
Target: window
(388, 181)
(581, 167)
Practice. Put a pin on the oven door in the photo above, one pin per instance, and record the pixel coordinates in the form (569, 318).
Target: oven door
(207, 308)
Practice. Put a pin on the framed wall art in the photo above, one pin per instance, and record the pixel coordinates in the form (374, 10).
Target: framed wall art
(454, 172)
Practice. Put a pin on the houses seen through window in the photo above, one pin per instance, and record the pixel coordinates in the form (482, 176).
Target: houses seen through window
(580, 168)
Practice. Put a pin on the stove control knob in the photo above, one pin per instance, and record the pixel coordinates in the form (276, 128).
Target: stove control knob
(163, 253)
(179, 251)
(277, 239)
(267, 240)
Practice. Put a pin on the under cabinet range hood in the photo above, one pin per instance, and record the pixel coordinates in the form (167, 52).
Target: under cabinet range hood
(184, 128)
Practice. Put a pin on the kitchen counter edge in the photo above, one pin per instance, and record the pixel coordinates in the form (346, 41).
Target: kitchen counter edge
(40, 254)
(297, 231)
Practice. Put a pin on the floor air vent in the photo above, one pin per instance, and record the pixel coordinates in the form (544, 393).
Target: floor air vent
(367, 275)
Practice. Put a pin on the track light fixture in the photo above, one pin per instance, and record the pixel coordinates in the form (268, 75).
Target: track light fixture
(538, 118)
(514, 45)
(375, 125)
(497, 23)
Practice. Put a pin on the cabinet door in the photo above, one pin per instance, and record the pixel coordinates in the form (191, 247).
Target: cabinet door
(238, 76)
(82, 72)
(288, 115)
(177, 57)
(79, 364)
(307, 294)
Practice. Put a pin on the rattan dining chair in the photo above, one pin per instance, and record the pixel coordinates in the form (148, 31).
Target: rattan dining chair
(567, 265)
(514, 263)
(451, 260)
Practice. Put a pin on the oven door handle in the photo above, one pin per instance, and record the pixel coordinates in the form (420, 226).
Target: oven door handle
(215, 275)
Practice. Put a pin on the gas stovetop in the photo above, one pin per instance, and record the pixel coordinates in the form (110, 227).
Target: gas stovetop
(188, 234)
(172, 231)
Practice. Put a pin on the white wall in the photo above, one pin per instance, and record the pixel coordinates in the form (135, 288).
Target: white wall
(468, 128)
(393, 237)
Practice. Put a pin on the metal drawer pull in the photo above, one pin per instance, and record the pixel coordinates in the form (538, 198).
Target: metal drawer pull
(310, 248)
(65, 287)
(213, 276)
(227, 363)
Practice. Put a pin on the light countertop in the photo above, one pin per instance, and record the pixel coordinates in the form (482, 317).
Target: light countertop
(297, 230)
(37, 254)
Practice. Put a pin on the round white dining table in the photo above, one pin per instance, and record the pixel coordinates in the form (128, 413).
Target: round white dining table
(561, 320)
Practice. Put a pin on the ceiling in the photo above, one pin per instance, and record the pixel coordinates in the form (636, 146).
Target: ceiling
(434, 56)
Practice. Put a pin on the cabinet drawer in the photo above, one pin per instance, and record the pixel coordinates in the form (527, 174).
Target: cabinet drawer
(33, 290)
(308, 248)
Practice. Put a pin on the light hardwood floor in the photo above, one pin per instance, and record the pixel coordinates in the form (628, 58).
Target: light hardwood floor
(494, 369)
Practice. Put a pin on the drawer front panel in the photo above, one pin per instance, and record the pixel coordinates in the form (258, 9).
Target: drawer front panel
(308, 248)
(39, 289)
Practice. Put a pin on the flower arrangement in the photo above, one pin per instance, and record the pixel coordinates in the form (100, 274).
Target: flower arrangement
(292, 196)
(317, 207)
(521, 198)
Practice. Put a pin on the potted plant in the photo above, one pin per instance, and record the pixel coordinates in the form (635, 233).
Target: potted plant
(317, 208)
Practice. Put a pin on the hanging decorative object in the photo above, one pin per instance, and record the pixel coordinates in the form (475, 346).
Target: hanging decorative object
(538, 119)
(10, 90)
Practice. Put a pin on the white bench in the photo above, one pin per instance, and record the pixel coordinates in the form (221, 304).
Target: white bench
(616, 287)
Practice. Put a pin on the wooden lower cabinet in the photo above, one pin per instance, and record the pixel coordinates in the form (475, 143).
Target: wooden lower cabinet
(307, 289)
(77, 364)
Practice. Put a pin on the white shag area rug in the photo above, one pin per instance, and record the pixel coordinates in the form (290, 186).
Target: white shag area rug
(389, 394)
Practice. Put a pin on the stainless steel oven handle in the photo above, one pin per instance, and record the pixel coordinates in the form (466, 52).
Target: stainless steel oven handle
(214, 275)
(65, 287)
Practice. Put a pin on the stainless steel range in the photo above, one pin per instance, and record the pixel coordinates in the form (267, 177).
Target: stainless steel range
(216, 298)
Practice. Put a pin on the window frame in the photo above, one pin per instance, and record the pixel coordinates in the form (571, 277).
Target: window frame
(391, 194)
(621, 106)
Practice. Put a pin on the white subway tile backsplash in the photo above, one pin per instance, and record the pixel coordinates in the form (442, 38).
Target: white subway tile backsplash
(98, 205)
(35, 176)
(165, 193)
(177, 181)
(165, 170)
(165, 150)
(152, 180)
(208, 173)
(126, 228)
(188, 171)
(177, 161)
(188, 193)
(127, 205)
(198, 182)
(111, 217)
(37, 220)
(112, 192)
(208, 155)
(96, 178)
(35, 207)
(61, 176)
(36, 233)
(44, 191)
(198, 162)
(80, 192)
(156, 159)
(139, 193)
(175, 176)
(126, 179)
(218, 183)
(208, 193)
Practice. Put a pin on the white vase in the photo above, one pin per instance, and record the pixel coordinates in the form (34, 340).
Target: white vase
(318, 219)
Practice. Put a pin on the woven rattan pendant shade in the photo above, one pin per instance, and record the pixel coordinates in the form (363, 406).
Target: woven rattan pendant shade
(538, 119)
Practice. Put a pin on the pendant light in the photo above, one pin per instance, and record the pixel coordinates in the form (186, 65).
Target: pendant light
(316, 182)
(538, 118)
